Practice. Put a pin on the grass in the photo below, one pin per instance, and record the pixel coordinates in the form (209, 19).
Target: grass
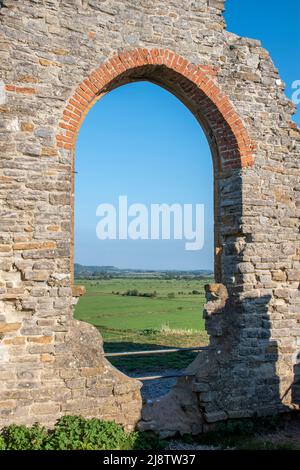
(132, 323)
(121, 341)
(264, 433)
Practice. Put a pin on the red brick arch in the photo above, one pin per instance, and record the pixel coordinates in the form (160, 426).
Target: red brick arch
(194, 85)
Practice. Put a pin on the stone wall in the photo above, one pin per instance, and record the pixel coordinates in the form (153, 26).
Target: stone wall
(57, 58)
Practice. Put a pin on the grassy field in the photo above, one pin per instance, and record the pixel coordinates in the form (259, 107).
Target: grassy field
(173, 317)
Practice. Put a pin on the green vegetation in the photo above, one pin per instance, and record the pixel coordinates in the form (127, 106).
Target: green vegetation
(139, 314)
(102, 307)
(77, 433)
(110, 272)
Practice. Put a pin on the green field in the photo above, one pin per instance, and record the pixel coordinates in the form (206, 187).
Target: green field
(132, 322)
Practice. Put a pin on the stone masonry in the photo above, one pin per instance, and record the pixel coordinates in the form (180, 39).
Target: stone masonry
(57, 58)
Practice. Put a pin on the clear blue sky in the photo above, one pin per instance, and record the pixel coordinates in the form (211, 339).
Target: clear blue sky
(140, 141)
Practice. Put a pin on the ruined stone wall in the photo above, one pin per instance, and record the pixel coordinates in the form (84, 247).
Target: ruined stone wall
(52, 365)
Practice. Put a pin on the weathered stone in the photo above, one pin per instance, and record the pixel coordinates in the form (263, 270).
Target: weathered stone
(40, 339)
(78, 291)
(27, 126)
(200, 387)
(279, 275)
(45, 408)
(293, 275)
(36, 275)
(9, 327)
(34, 245)
(75, 383)
(215, 416)
(45, 357)
(230, 84)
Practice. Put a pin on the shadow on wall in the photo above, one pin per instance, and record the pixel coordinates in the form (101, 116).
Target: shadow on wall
(246, 336)
(262, 355)
(236, 378)
(296, 383)
(153, 363)
(246, 366)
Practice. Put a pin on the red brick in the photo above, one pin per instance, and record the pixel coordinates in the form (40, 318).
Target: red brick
(235, 145)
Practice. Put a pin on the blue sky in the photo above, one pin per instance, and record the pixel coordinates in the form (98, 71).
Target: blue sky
(140, 141)
(276, 25)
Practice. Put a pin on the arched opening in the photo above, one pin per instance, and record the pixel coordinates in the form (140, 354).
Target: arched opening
(194, 86)
(232, 151)
(143, 293)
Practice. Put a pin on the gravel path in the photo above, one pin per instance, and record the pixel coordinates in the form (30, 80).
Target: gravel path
(177, 444)
(288, 436)
(153, 389)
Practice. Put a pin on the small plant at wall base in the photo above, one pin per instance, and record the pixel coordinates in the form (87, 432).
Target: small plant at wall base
(77, 433)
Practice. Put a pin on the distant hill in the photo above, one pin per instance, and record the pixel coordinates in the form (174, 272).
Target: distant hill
(82, 271)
